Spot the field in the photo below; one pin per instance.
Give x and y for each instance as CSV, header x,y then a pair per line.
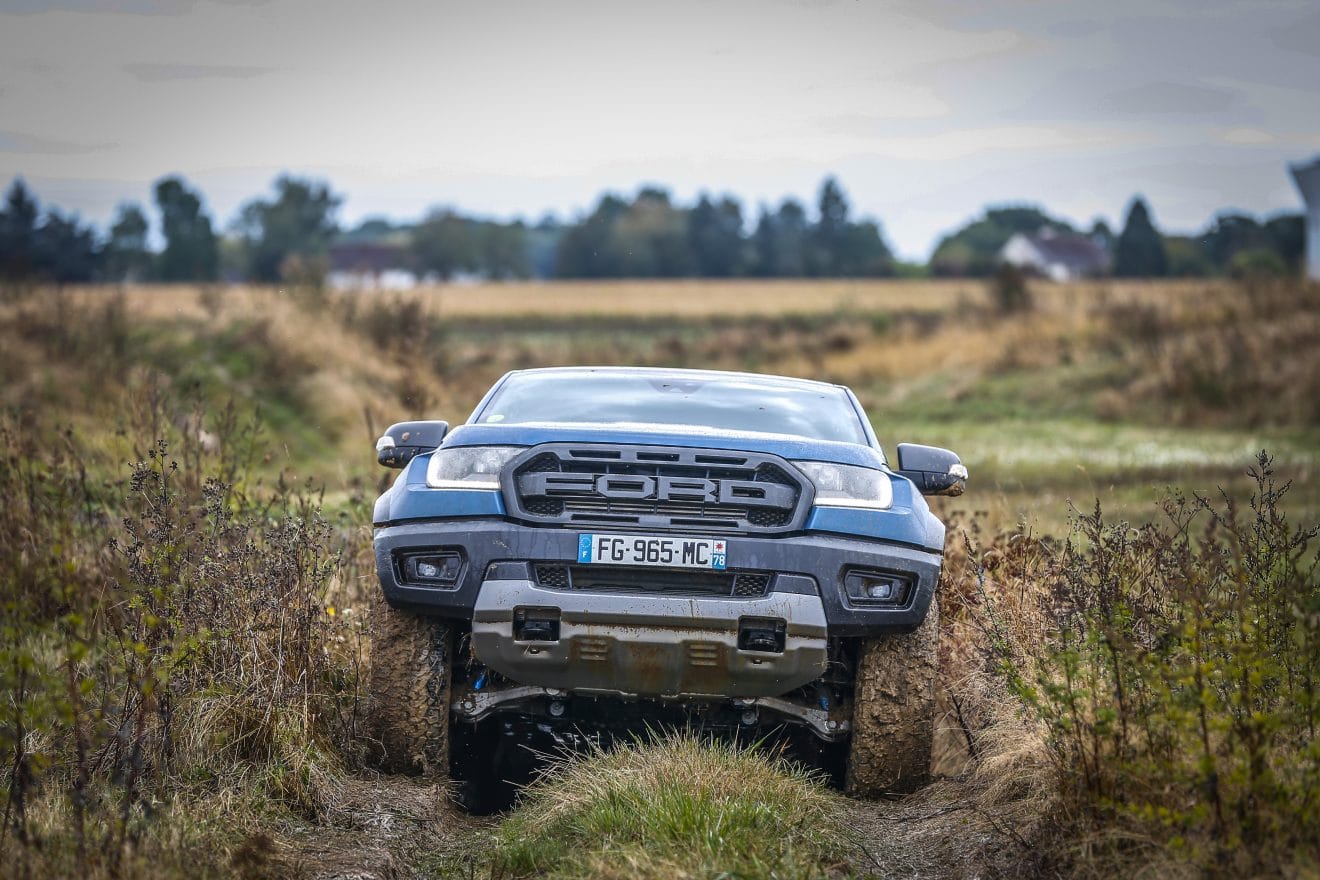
x,y
1114,391
1109,393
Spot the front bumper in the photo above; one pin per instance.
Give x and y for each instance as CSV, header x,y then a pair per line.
x,y
806,564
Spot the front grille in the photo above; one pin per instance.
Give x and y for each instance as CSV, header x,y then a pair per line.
x,y
657,488
618,579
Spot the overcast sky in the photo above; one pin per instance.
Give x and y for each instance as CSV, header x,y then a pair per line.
x,y
926,111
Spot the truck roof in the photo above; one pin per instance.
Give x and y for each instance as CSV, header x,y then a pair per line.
x,y
680,373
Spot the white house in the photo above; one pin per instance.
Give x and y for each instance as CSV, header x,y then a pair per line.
x,y
1059,256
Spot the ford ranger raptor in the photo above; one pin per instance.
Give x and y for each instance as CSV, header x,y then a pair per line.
x,y
599,552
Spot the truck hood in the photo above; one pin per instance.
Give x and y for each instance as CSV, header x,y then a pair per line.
x,y
787,446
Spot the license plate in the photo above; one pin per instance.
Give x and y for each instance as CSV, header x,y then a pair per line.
x,y
649,550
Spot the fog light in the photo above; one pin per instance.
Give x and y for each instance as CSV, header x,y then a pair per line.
x,y
441,569
876,587
879,590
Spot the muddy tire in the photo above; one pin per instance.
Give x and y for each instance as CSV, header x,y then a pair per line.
x,y
409,690
893,724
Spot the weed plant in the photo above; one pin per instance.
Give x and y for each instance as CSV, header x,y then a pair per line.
x,y
170,674
1173,671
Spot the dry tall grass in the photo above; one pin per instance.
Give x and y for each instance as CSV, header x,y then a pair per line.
x,y
1145,700
172,676
254,725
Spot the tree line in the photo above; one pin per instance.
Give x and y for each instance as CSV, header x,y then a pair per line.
x,y
293,235
1233,244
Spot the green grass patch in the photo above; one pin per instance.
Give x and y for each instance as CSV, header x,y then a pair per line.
x,y
1030,469
673,808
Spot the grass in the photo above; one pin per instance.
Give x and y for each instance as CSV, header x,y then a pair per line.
x,y
1081,394
171,677
675,808
1100,391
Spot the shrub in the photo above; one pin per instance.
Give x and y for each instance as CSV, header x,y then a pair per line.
x,y
164,643
1257,263
1009,290
1173,669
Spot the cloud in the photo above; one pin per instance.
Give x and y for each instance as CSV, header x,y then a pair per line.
x,y
17,142
1247,136
153,73
113,7
1302,36
1169,97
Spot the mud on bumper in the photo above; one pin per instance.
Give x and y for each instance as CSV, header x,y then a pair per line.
x,y
682,646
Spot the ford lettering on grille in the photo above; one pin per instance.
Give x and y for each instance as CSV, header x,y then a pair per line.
x,y
658,487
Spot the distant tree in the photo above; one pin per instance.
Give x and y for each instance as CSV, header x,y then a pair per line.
x,y
974,249
503,250
586,250
444,244
232,260
646,238
296,227
650,240
370,229
715,236
127,256
764,245
654,237
780,241
1102,235
829,237
1140,249
1187,258
190,253
1228,234
863,253
1257,263
1286,234
65,250
57,247
18,232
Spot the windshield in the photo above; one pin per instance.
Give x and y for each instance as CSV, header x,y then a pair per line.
x,y
739,403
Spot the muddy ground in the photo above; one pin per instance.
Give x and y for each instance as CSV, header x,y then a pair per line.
x,y
396,828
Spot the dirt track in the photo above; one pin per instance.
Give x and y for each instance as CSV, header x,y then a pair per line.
x,y
393,827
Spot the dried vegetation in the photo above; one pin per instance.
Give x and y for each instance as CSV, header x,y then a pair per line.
x,y
180,678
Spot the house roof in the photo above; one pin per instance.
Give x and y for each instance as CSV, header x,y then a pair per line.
x,y
1079,253
359,256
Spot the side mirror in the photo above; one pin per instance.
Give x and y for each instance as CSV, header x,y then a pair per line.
x,y
402,442
935,471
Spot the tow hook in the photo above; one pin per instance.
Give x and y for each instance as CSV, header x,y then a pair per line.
x,y
763,634
536,624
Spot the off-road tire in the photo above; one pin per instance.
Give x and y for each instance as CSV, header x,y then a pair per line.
x,y
409,690
893,723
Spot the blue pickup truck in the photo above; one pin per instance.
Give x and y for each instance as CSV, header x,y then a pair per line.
x,y
602,551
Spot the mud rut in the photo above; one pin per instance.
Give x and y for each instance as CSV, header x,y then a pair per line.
x,y
387,827
398,827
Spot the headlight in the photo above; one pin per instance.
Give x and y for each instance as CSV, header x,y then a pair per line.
x,y
843,485
468,467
